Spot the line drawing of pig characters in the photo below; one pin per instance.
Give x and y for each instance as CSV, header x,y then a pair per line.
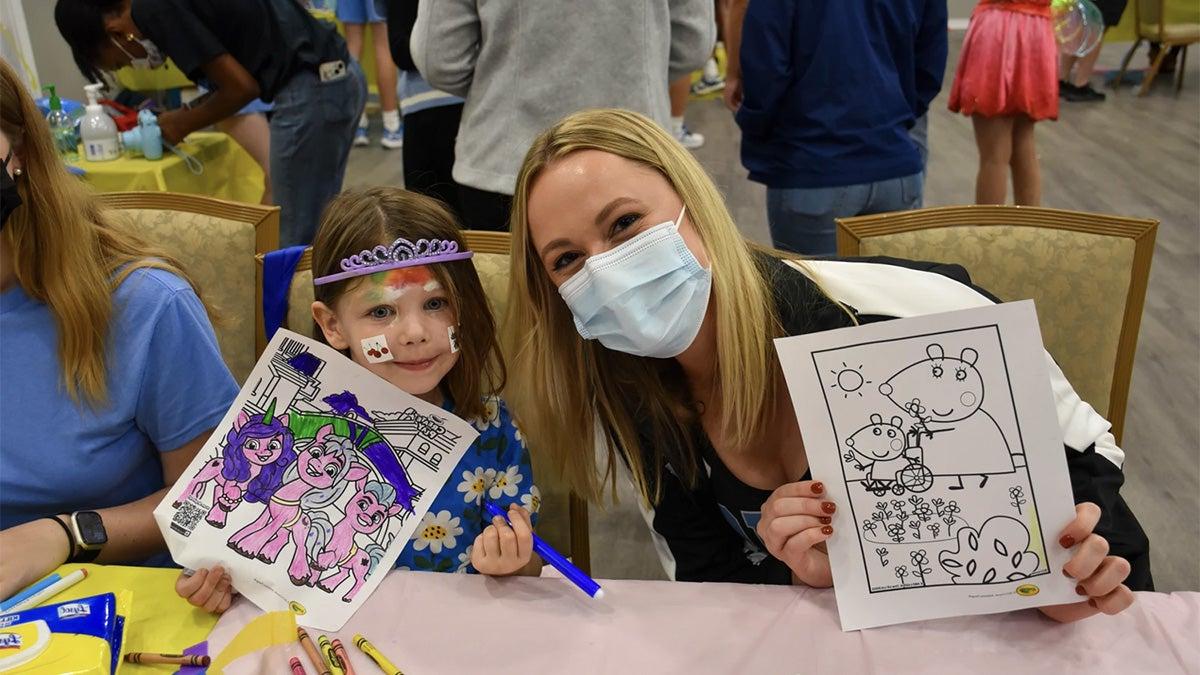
x,y
945,395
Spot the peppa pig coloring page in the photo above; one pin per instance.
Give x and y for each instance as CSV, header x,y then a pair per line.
x,y
938,440
313,483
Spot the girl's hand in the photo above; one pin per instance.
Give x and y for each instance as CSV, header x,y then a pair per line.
x,y
30,551
503,550
210,589
1099,574
795,520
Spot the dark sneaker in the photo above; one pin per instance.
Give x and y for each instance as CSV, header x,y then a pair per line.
x,y
1084,94
1065,88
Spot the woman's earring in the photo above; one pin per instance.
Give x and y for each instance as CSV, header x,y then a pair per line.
x,y
130,37
17,172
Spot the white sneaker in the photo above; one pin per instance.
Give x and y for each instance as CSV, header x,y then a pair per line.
x,y
689,139
361,138
392,139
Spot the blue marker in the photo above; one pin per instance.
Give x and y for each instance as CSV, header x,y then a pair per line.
x,y
574,574
29,592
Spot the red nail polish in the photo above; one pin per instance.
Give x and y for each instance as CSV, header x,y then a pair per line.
x,y
1079,590
825,520
827,530
818,487
828,507
1067,541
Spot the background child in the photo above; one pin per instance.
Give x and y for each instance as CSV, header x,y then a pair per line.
x,y
442,336
1006,81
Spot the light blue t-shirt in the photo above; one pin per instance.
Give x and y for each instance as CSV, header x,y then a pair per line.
x,y
167,384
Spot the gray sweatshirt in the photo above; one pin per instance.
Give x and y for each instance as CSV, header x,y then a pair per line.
x,y
522,65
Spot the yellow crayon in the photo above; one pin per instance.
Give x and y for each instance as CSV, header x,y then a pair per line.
x,y
335,663
375,655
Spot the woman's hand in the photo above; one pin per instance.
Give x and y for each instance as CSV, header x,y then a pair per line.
x,y
1100,575
503,550
29,552
795,520
210,589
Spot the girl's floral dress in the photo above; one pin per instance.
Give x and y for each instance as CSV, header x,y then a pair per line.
x,y
496,467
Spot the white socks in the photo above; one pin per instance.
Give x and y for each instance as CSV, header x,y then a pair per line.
x,y
677,126
391,120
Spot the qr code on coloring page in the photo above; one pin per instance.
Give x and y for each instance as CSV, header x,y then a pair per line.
x,y
188,516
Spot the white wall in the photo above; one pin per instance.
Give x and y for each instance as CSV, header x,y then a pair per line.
x,y
50,51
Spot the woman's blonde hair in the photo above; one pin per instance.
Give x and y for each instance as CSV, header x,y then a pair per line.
x,y
562,385
66,249
360,220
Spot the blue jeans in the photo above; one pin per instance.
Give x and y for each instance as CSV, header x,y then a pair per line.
x,y
311,132
801,219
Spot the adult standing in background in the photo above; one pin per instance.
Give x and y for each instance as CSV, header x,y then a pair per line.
x,y
431,117
246,49
522,66
827,95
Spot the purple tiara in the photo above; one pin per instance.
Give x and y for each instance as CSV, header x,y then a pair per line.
x,y
402,253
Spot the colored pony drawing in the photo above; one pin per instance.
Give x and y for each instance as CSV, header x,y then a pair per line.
x,y
250,467
333,547
317,478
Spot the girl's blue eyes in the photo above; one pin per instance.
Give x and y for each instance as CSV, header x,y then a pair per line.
x,y
386,311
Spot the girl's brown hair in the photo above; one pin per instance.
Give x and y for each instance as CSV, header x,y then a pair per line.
x,y
360,220
67,248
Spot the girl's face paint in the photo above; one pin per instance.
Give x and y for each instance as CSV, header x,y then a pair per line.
x,y
376,349
407,312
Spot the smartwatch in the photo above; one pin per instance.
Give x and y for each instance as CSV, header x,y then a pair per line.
x,y
87,529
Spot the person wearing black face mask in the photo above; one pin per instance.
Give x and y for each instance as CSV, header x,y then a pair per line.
x,y
93,423
10,199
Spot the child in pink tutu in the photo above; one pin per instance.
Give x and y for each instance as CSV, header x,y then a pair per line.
x,y
1007,80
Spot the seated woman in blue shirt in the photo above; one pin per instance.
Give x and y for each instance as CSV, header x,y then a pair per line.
x,y
112,377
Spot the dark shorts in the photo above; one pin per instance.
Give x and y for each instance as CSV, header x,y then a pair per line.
x,y
1111,11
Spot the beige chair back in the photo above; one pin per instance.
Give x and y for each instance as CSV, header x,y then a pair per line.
x,y
216,241
564,520
1087,273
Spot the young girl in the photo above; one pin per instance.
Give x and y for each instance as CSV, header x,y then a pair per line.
x,y
1006,81
435,321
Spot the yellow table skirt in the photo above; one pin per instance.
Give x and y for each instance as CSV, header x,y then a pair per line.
x,y
158,620
229,171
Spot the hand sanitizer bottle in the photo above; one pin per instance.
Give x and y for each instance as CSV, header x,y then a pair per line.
x,y
62,129
97,130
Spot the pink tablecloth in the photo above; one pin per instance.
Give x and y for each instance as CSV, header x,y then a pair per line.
x,y
452,623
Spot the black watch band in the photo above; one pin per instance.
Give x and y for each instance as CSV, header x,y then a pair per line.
x,y
87,536
70,537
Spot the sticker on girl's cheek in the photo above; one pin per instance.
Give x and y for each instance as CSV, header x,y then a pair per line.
x,y
376,349
453,339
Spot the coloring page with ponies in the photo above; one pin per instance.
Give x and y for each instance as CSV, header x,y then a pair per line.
x,y
313,482
938,438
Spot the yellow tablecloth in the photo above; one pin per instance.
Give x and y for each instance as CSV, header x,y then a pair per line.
x,y
158,620
229,171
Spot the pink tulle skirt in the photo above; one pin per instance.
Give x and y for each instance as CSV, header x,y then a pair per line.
x,y
1008,65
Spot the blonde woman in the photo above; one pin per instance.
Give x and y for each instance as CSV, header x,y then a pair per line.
x,y
638,313
112,378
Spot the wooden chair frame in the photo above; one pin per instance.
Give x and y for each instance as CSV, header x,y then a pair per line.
x,y
1165,44
480,242
265,220
852,231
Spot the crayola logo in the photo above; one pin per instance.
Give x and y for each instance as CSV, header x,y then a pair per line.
x,y
298,608
1027,590
10,641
